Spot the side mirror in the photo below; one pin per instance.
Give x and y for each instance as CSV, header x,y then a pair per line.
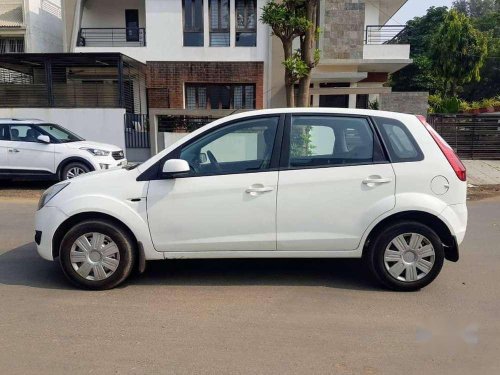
x,y
43,138
174,167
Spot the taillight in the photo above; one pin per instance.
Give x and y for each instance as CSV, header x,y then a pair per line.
x,y
452,158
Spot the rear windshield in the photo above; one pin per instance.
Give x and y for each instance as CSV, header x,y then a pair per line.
x,y
400,144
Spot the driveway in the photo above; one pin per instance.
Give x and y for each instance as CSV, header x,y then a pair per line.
x,y
249,316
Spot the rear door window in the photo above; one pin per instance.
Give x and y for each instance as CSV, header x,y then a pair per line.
x,y
400,144
329,141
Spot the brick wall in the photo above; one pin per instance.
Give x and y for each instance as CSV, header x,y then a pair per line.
x,y
406,102
165,79
343,31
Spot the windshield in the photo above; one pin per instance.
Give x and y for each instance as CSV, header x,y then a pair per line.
x,y
59,133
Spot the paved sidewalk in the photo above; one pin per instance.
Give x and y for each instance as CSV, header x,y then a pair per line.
x,y
483,172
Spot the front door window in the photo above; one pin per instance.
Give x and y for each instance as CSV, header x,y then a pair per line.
x,y
242,147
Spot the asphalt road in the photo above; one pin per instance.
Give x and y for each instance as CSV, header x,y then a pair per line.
x,y
249,316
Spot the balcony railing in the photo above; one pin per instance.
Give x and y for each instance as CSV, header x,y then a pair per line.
x,y
385,34
112,37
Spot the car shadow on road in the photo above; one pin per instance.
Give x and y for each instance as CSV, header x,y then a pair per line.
x,y
23,266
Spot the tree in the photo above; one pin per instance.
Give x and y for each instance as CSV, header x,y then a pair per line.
x,y
291,19
419,76
476,8
458,51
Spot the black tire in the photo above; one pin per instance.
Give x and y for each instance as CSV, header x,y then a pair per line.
x,y
123,241
73,165
374,256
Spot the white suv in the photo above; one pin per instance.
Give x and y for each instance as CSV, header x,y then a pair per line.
x,y
281,183
37,149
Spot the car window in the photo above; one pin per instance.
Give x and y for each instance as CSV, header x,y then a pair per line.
x,y
59,133
237,148
24,133
400,143
327,140
4,132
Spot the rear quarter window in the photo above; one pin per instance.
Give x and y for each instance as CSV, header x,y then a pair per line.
x,y
398,140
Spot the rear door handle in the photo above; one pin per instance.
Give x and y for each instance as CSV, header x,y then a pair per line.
x,y
258,189
13,150
373,181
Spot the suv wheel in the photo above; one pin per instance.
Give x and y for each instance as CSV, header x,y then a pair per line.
x,y
96,255
73,170
406,256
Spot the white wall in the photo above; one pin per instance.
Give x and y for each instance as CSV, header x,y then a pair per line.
x,y
105,13
44,26
386,51
94,124
164,34
171,138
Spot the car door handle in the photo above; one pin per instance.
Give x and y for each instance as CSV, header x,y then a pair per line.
x,y
258,189
13,150
373,181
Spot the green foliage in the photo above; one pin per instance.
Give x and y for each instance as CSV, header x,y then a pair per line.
x,y
296,66
419,76
458,51
301,141
422,76
374,104
287,18
437,104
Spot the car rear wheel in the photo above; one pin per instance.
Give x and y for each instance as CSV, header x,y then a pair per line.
x,y
73,170
97,255
406,256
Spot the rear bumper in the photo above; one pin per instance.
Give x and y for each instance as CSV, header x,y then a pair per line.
x,y
455,217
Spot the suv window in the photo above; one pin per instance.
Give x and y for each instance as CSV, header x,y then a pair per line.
x,y
4,133
24,133
401,145
241,147
327,140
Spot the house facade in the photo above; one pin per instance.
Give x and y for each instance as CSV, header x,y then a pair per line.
x,y
163,68
34,26
358,52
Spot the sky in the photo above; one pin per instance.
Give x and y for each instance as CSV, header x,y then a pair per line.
x,y
414,8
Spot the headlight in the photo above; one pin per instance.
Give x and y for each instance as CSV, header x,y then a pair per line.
x,y
96,151
50,193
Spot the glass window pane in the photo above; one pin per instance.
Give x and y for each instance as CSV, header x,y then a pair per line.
x,y
400,143
238,97
323,140
249,97
241,147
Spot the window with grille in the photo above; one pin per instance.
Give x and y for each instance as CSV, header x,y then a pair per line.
x,y
193,23
11,45
219,23
246,23
217,96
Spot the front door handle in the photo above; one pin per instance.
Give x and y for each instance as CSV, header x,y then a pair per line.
x,y
258,189
13,150
370,181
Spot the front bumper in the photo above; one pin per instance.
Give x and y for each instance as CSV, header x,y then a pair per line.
x,y
109,163
47,220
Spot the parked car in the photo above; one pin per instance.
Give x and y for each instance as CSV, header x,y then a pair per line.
x,y
37,149
281,183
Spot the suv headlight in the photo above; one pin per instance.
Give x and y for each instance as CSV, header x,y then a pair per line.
x,y
50,193
96,151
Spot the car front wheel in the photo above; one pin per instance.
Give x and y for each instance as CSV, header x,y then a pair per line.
x,y
406,256
73,170
97,254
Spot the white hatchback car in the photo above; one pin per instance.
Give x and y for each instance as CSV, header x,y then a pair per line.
x,y
281,183
37,149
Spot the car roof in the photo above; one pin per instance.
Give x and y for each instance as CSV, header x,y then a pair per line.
x,y
21,121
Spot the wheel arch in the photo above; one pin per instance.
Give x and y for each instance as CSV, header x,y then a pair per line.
x,y
72,159
77,218
426,218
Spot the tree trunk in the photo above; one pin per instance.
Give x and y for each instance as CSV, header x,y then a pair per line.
x,y
289,82
308,47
